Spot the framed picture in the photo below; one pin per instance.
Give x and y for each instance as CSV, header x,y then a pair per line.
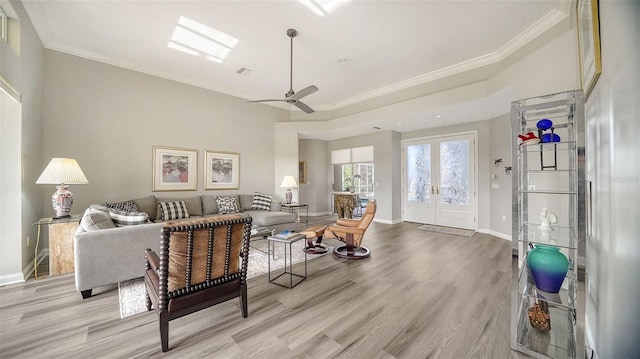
x,y
221,170
589,44
174,169
302,172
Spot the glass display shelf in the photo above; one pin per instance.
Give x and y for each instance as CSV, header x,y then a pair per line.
x,y
548,146
558,342
548,178
566,297
562,236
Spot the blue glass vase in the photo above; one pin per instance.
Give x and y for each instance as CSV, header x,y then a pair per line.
x,y
548,266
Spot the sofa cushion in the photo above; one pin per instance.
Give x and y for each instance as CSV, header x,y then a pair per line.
x,y
95,219
261,201
147,205
245,201
209,205
173,210
121,218
269,218
126,206
227,205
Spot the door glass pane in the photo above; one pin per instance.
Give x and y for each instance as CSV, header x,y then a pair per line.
x,y
454,172
418,173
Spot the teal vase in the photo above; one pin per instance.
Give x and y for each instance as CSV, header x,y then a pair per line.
x,y
548,266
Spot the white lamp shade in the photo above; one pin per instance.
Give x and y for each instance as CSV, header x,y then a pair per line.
x,y
289,182
62,171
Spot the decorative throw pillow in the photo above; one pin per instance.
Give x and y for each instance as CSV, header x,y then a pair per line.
x,y
261,201
94,219
227,205
173,210
122,218
126,206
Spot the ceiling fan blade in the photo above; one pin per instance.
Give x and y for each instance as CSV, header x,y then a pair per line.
x,y
303,107
304,92
268,100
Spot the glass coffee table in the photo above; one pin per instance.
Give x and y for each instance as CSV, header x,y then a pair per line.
x,y
258,233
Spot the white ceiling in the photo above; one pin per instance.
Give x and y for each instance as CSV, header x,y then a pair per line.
x,y
389,45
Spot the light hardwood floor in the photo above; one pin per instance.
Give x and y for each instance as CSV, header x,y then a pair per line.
x,y
419,295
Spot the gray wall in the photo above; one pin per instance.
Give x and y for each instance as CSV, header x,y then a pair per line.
x,y
109,118
386,155
500,198
613,246
314,192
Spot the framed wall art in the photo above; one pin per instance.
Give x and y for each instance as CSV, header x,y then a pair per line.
x,y
302,172
589,44
221,170
175,169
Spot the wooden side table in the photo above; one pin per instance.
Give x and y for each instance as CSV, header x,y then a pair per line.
x,y
61,232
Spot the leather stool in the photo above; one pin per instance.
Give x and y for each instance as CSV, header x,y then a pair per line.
x,y
314,233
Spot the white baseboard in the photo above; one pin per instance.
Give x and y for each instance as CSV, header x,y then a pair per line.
x,y
26,271
386,221
495,234
12,278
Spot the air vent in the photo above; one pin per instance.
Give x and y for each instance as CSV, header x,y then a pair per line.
x,y
243,71
376,128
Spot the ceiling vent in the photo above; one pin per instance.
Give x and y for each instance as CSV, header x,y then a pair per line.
x,y
243,71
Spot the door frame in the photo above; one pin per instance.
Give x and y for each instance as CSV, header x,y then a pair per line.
x,y
474,134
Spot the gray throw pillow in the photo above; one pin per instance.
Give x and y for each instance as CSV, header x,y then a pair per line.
x,y
94,220
147,205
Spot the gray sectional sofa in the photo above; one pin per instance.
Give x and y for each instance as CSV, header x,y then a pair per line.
x,y
106,254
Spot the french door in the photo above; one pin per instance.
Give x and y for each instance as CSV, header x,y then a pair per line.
x,y
438,178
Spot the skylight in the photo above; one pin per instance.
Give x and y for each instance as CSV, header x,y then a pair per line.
x,y
323,7
197,39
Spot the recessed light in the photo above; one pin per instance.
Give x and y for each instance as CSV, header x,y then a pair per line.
x,y
437,116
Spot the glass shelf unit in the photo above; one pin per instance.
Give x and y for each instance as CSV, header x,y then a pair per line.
x,y
548,176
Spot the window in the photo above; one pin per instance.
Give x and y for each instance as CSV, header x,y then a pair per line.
x,y
357,176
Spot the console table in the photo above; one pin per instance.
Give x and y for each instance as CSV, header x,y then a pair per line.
x,y
61,232
344,203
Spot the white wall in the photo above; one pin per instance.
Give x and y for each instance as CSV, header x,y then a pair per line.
x,y
21,149
613,246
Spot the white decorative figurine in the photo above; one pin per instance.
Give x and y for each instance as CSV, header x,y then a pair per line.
x,y
546,220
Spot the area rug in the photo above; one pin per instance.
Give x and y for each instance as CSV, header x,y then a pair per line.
x,y
447,230
132,292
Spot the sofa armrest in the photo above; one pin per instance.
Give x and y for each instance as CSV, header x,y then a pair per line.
x,y
276,206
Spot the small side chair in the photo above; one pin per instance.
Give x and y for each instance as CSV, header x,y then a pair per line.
x,y
199,266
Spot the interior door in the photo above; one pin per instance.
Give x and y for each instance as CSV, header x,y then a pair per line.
x,y
439,181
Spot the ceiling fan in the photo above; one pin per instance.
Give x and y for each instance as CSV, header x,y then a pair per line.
x,y
291,96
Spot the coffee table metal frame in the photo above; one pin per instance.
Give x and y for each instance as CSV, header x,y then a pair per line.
x,y
287,243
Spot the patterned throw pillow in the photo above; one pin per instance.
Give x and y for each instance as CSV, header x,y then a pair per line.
x,y
126,206
261,201
173,210
122,218
227,205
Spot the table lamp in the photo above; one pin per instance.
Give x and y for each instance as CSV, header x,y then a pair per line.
x,y
62,171
288,182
